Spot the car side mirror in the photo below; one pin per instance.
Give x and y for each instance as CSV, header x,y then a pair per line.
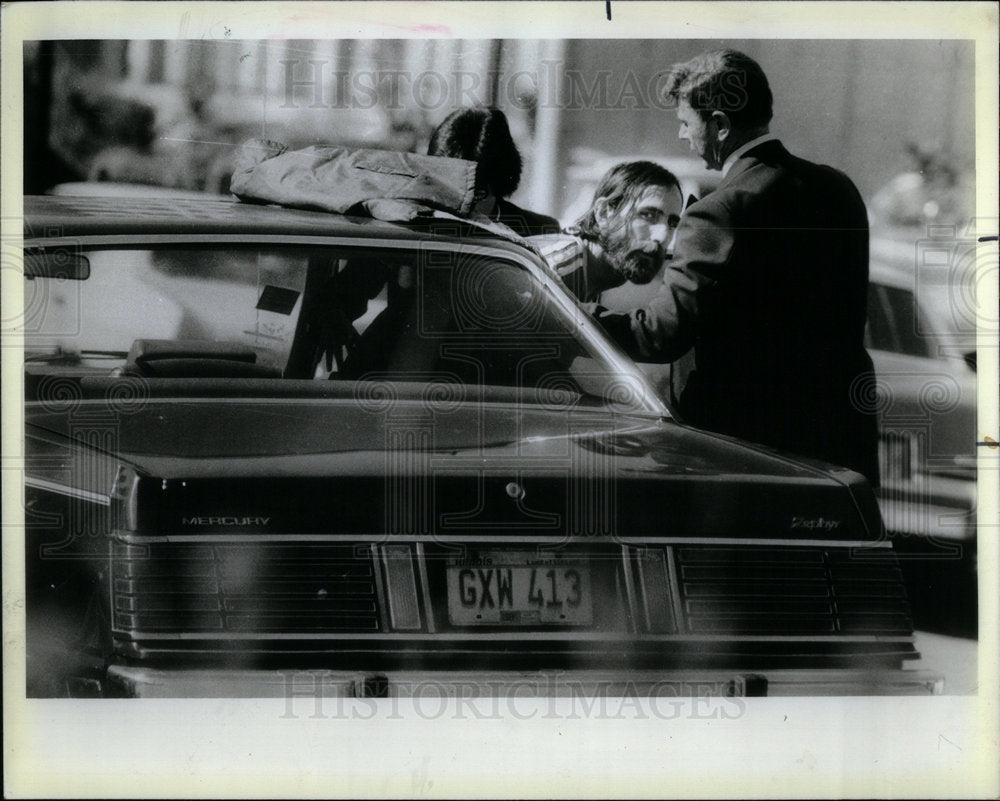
x,y
60,263
970,359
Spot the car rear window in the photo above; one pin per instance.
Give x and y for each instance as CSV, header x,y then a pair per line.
x,y
322,314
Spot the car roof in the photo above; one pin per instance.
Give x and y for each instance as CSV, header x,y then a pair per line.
x,y
895,263
124,189
882,273
102,216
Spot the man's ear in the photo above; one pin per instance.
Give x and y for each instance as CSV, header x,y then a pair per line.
x,y
722,124
602,211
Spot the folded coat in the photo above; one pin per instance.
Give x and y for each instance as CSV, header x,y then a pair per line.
x,y
340,179
384,184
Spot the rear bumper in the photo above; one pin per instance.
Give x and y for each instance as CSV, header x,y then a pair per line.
x,y
302,687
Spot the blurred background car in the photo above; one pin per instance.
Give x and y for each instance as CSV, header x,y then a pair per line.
x,y
926,403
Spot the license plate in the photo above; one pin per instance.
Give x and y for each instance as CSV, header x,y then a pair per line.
x,y
518,589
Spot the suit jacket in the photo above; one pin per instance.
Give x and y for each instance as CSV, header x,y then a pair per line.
x,y
769,285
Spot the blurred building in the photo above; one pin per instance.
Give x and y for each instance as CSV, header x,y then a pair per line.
x,y
171,112
204,97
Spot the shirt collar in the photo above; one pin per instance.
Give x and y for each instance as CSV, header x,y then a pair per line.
x,y
743,149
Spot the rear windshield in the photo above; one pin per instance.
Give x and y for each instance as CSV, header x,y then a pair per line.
x,y
212,311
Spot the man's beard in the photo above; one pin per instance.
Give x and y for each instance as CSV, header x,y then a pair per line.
x,y
636,263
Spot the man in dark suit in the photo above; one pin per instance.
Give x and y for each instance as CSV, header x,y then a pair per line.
x,y
768,283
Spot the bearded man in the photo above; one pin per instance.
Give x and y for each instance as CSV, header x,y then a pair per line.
x,y
624,234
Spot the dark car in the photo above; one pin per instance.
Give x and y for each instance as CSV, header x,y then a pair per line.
x,y
269,448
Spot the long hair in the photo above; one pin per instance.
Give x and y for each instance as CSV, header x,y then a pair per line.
x,y
481,135
622,186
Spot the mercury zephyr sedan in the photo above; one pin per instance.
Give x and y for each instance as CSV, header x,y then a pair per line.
x,y
269,450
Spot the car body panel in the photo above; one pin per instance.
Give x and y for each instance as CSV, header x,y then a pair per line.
x,y
702,483
188,534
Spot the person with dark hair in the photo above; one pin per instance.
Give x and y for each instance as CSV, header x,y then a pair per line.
x,y
483,135
768,282
622,236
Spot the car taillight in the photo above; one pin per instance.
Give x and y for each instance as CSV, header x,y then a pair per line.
x,y
401,587
125,493
243,588
654,585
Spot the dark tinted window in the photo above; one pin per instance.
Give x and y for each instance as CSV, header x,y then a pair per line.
x,y
466,318
893,322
